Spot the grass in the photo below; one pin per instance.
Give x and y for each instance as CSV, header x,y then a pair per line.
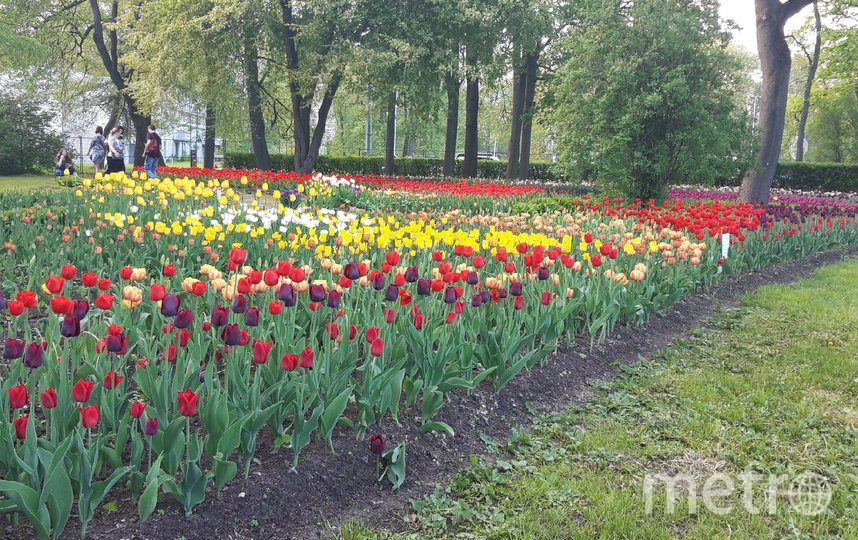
x,y
769,386
29,182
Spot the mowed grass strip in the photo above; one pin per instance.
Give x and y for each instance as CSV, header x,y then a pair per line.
x,y
25,183
764,398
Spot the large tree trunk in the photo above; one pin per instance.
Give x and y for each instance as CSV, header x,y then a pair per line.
x,y
390,137
452,84
141,131
472,108
808,85
209,143
518,88
775,61
527,115
254,104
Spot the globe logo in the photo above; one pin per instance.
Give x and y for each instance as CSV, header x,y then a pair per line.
x,y
809,494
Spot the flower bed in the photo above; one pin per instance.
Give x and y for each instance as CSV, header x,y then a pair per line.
x,y
155,328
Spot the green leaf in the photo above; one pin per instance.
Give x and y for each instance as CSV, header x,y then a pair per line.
x,y
437,426
332,412
27,501
149,499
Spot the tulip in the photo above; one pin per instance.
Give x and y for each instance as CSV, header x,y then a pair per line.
x,y
251,318
81,308
449,295
157,292
476,300
378,281
389,315
89,416
150,429
16,308
596,261
451,317
34,355
237,256
392,293
515,288
220,316
286,294
104,284
18,396
112,379
187,400
81,390
13,348
371,334
244,286
137,409
169,270
125,272
411,274
104,301
391,258
89,279
55,284
399,280
275,307
353,330
317,293
418,321
307,358
70,327
60,304
333,330
169,354
424,287
184,318
261,349
231,334
542,273
588,237
351,271
21,427
49,398
519,302
170,305
289,361
68,271
377,443
377,347
545,298
334,298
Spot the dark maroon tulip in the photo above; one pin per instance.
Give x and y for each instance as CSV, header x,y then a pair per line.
x,y
449,295
220,316
411,274
231,335
117,343
184,318
3,303
377,443
392,293
543,273
378,281
286,294
13,348
34,355
515,288
170,305
352,271
317,293
239,303
486,296
150,428
81,308
334,298
251,318
476,300
424,286
70,326
502,293
473,278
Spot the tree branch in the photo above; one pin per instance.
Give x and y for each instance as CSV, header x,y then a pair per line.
x,y
791,7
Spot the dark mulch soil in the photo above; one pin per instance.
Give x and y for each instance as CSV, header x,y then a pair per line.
x,y
279,503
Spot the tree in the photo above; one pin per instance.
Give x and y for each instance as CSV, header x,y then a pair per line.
x,y
775,61
650,94
28,144
812,66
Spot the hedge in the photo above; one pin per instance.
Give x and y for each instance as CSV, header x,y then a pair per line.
x,y
817,176
416,167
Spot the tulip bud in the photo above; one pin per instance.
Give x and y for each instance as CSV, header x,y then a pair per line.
x,y
150,429
70,327
239,304
251,317
184,318
220,316
377,443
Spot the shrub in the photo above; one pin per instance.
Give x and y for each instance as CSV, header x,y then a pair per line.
x,y
27,144
817,176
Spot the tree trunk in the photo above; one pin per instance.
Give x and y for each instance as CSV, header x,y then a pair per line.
x,y
390,137
209,143
141,131
808,85
518,87
452,84
527,115
775,61
254,104
472,107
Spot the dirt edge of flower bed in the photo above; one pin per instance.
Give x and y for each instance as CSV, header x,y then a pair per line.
x,y
328,488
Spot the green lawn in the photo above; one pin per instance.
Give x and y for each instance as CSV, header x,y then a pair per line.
x,y
772,385
30,182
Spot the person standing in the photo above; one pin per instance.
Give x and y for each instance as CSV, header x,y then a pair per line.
x,y
97,150
116,150
152,152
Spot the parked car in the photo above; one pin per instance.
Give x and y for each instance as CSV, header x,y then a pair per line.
x,y
481,155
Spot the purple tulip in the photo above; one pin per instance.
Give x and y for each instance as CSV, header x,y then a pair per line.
x,y
449,295
334,298
13,348
352,271
317,293
515,288
239,304
150,428
411,274
473,278
392,293
231,334
251,318
424,287
184,318
170,305
70,326
220,316
34,355
81,308
286,294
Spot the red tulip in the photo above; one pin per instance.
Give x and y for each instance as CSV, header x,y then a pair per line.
x,y
377,443
271,277
21,427
104,301
275,307
81,390
371,334
18,396
199,288
289,361
89,279
125,272
55,284
377,347
307,358
588,237
68,271
15,308
519,302
333,330
237,256
261,350
60,304
596,261
89,416
112,379
157,292
104,284
49,398
545,298
187,400
28,298
169,271
137,409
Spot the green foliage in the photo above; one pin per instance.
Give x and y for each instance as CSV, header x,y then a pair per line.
x,y
416,167
817,176
649,95
28,144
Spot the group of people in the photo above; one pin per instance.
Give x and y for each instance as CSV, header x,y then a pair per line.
x,y
108,153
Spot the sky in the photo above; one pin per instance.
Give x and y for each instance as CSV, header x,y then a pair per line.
x,y
742,13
